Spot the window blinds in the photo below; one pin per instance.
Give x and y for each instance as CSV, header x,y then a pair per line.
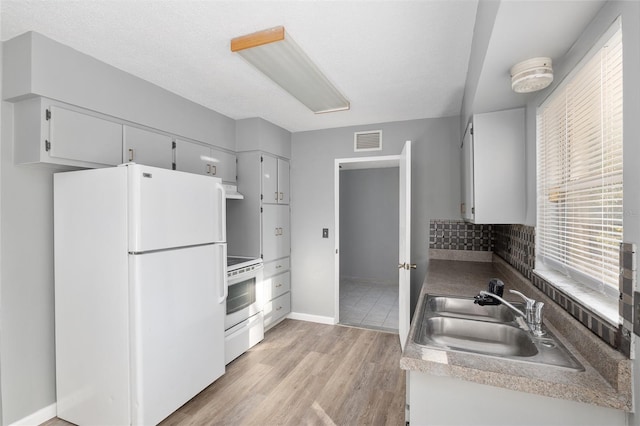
x,y
579,171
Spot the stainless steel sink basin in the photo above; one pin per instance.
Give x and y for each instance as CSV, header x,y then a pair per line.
x,y
457,324
476,336
461,307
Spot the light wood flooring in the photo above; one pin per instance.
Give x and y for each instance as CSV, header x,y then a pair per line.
x,y
304,373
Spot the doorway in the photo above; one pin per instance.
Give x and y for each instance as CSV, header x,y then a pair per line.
x,y
368,247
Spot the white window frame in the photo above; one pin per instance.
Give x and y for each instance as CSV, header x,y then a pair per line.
x,y
590,292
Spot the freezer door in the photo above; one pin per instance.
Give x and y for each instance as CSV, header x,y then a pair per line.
x,y
174,209
178,309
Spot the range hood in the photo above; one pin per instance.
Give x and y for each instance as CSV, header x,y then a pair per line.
x,y
232,192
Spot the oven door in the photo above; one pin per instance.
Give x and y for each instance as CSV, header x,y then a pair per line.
x,y
244,298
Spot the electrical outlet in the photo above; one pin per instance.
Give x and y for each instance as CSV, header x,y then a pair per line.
x,y
325,232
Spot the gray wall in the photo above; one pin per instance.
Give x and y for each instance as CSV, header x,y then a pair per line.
x,y
258,134
435,194
369,224
37,65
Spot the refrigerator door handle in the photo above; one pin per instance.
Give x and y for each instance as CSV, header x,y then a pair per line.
x,y
224,291
223,210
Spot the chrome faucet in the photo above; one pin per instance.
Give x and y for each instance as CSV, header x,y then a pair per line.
x,y
532,314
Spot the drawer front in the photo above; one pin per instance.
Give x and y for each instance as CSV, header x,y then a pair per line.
x,y
277,285
277,309
276,267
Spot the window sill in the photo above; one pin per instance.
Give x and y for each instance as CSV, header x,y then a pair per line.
x,y
604,306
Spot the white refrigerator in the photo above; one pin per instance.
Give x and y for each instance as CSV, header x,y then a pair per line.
x,y
140,292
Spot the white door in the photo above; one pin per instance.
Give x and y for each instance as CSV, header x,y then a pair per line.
x,y
193,158
174,209
404,253
178,311
275,232
270,179
77,136
148,148
283,181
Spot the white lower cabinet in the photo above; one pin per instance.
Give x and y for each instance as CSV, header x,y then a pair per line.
x,y
276,309
435,400
277,291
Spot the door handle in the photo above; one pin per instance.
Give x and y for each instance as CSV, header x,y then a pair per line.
x,y
407,266
130,154
214,170
281,196
276,195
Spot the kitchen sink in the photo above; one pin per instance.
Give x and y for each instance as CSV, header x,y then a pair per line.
x,y
457,324
461,307
476,336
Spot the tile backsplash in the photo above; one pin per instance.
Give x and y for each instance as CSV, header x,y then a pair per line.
x,y
516,245
460,235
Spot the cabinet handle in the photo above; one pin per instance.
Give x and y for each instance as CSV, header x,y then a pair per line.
x,y
208,169
278,308
214,170
281,196
130,154
278,266
276,195
278,285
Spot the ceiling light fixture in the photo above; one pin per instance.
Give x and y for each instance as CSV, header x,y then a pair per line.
x,y
276,55
531,75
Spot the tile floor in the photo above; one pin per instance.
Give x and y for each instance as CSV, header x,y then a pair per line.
x,y
369,304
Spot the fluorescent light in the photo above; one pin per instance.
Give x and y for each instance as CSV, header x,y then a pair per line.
x,y
276,55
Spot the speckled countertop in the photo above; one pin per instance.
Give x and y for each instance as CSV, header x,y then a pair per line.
x,y
606,380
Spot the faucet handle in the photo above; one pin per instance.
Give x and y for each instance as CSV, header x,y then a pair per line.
x,y
538,312
530,302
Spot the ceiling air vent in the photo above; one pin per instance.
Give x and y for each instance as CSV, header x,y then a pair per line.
x,y
367,141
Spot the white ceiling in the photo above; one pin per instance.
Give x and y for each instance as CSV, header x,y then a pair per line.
x,y
394,60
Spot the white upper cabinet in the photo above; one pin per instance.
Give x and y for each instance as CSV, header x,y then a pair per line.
x,y
493,168
52,132
202,159
146,147
275,180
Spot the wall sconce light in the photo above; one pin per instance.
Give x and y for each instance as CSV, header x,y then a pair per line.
x,y
276,55
531,75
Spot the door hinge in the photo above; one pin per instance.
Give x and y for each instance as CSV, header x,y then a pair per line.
x,y
260,209
473,210
173,144
47,145
47,114
173,166
261,158
261,197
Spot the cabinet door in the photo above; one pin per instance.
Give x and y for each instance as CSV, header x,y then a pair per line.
x,y
148,148
77,136
467,208
225,166
193,158
269,179
283,181
275,232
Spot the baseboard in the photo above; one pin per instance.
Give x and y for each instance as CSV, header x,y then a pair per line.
x,y
311,318
39,417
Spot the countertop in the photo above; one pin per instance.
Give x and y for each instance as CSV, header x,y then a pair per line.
x,y
605,382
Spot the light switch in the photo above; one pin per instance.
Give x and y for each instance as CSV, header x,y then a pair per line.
x,y
325,232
